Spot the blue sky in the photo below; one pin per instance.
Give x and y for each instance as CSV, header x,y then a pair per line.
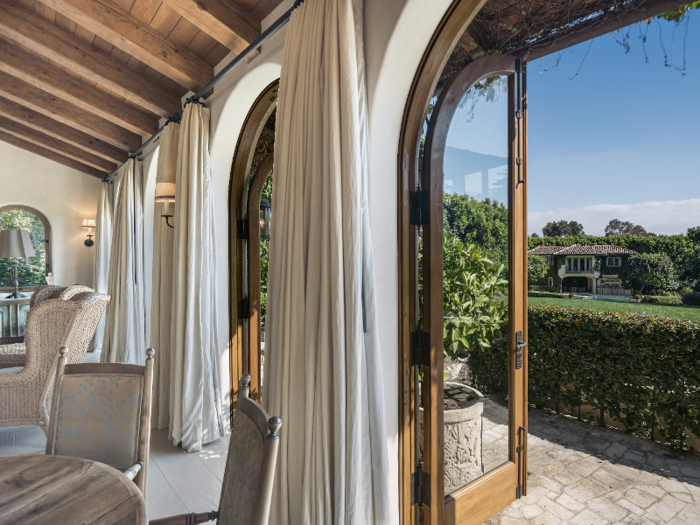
x,y
618,139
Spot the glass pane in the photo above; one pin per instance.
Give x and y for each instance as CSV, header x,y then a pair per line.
x,y
476,285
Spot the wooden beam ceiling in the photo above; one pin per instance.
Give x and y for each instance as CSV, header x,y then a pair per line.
x,y
46,76
221,19
53,144
47,104
60,131
142,41
83,82
39,35
43,152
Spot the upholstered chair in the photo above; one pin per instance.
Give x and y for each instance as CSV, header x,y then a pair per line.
x,y
26,391
12,349
102,412
246,493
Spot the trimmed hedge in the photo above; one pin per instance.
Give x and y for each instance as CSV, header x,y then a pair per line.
x,y
692,298
662,299
637,369
545,294
542,288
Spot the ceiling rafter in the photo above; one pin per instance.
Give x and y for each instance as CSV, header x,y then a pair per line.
x,y
44,38
125,31
43,152
44,102
222,20
46,76
60,131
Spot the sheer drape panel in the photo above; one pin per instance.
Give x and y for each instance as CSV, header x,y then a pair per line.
x,y
103,247
324,369
195,396
125,333
161,303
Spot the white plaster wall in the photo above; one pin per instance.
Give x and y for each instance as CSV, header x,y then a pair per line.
x,y
65,196
397,33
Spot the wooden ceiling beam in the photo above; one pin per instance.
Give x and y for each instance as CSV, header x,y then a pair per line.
x,y
220,19
142,41
48,154
53,144
19,24
44,102
46,76
60,131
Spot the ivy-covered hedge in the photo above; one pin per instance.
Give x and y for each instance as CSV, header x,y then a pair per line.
x,y
692,298
641,370
542,288
662,299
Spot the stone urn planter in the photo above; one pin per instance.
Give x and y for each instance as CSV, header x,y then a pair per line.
x,y
464,407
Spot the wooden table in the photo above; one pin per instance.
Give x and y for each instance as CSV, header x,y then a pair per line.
x,y
58,490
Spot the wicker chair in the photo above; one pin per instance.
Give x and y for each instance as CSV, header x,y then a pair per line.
x,y
26,393
102,412
12,350
246,493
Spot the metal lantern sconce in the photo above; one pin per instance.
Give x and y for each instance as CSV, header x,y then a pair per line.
x,y
265,215
165,193
89,224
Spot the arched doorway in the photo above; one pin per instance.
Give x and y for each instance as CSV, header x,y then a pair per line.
x,y
449,474
251,167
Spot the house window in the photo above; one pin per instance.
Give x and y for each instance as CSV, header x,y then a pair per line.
x,y
550,281
33,270
550,260
614,261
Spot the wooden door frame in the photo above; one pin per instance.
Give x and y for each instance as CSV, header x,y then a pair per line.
x,y
261,110
452,26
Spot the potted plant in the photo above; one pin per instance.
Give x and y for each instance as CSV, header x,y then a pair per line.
x,y
571,296
637,297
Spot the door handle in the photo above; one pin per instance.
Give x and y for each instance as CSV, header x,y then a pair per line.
x,y
519,345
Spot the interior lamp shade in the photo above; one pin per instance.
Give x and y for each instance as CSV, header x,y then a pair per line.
x,y
165,192
15,243
88,224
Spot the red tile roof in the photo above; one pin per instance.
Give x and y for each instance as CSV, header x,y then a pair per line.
x,y
599,249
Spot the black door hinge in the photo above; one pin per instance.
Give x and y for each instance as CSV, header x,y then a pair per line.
x,y
420,487
419,207
420,348
244,309
242,229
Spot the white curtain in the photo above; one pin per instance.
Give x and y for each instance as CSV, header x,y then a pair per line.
x,y
161,311
195,395
125,331
103,246
324,363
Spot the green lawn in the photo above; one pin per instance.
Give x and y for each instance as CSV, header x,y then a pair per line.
x,y
692,313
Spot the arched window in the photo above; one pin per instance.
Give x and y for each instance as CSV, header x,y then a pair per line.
x,y
32,271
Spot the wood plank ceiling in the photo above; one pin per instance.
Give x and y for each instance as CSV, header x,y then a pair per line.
x,y
82,82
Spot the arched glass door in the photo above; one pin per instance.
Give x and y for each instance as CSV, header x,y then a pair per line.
x,y
470,350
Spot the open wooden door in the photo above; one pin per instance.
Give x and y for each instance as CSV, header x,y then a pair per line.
x,y
472,287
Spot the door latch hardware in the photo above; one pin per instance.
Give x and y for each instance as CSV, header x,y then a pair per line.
x,y
244,309
242,229
519,345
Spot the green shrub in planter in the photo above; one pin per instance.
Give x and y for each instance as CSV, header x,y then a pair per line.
x,y
545,294
663,299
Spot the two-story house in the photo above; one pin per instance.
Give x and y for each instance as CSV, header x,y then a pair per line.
x,y
585,269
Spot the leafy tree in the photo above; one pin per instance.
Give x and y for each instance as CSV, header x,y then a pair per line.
x,y
691,270
480,222
649,270
694,235
30,272
618,227
264,256
562,229
534,234
537,268
474,316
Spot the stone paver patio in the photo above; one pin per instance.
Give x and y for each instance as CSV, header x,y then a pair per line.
x,y
581,474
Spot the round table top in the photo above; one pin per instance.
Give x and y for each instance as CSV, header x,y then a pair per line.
x,y
60,490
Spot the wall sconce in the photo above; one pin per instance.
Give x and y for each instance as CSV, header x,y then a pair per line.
x,y
89,224
265,216
165,193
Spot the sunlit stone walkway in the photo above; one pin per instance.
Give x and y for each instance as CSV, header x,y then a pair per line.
x,y
584,475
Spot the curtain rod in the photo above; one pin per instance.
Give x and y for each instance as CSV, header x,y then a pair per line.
x,y
276,26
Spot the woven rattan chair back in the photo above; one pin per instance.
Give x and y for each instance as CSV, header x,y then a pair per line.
x,y
102,412
44,292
